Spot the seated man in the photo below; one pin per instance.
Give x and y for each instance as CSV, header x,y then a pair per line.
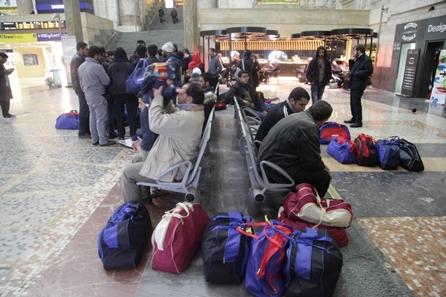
x,y
178,140
297,100
293,144
244,92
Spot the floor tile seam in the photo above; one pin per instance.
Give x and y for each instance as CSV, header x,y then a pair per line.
x,y
24,272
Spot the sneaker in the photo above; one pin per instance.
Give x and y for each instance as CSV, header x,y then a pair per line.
x,y
108,143
351,121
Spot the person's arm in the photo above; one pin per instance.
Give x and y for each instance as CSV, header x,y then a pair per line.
x,y
103,76
75,63
365,70
310,74
309,150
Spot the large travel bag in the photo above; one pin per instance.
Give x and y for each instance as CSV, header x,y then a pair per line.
x,y
388,153
366,150
343,150
177,237
225,251
410,158
330,130
69,120
122,241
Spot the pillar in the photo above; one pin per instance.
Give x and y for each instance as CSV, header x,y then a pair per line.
x,y
190,21
24,7
73,19
129,14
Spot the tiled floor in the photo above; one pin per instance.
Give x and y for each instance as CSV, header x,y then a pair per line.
x,y
53,185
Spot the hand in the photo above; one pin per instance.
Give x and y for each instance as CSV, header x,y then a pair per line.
x,y
136,145
141,105
157,93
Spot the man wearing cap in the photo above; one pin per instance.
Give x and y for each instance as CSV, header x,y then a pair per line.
x,y
297,101
173,63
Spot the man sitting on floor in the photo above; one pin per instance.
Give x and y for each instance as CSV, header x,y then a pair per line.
x,y
178,140
297,101
293,144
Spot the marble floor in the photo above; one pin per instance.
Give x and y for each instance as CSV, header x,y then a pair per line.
x,y
57,191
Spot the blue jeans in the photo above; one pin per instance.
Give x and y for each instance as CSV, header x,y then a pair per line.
x,y
316,92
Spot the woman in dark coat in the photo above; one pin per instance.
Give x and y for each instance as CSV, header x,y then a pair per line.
x,y
5,89
118,72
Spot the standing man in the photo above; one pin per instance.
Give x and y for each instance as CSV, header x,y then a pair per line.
x,y
5,88
360,70
293,144
297,101
84,113
319,74
93,80
215,67
174,15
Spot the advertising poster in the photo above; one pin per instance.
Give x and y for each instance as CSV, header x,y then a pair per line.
x,y
410,72
18,38
438,94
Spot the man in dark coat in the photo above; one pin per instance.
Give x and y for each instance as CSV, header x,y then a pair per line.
x,y
244,92
360,70
319,74
84,112
5,88
293,144
297,101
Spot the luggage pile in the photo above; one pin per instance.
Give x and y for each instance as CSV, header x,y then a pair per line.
x,y
296,254
364,150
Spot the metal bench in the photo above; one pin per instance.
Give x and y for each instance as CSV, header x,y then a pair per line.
x,y
189,183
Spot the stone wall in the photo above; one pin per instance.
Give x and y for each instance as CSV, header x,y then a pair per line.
x,y
92,25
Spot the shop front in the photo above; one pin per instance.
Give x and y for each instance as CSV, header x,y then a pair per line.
x,y
416,54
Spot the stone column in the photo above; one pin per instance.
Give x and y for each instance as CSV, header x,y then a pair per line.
x,y
73,19
207,4
129,14
24,7
190,21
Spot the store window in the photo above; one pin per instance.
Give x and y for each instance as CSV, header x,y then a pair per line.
x,y
30,60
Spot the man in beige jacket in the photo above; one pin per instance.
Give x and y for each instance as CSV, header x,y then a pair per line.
x,y
179,138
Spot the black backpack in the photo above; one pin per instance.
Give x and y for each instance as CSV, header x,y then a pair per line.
x,y
410,158
125,236
225,251
366,150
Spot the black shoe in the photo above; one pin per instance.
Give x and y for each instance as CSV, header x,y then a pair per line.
x,y
351,121
108,143
113,135
356,125
9,116
95,143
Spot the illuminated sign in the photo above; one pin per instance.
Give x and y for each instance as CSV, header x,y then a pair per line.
x,y
18,38
57,6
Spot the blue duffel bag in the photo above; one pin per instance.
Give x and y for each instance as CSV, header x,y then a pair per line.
x,y
125,236
136,79
69,120
344,151
388,152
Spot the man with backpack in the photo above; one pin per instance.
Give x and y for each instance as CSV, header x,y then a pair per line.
x,y
293,144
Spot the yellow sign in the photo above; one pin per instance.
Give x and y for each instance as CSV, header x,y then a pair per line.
x,y
18,38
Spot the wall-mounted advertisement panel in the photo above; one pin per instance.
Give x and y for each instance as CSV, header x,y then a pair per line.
x,y
57,6
8,6
438,94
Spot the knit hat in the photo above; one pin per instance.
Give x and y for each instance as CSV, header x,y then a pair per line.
x,y
168,47
196,70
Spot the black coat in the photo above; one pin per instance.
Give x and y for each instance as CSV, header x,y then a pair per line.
x,y
5,90
76,61
245,93
313,72
293,144
273,116
360,70
119,73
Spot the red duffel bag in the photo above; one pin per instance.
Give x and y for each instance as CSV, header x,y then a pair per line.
x,y
177,237
339,235
305,204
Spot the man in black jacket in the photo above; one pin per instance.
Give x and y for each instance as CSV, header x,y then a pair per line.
x,y
297,101
360,70
244,92
319,74
84,112
293,144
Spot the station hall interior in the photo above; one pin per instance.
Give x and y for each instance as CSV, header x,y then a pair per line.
x,y
60,186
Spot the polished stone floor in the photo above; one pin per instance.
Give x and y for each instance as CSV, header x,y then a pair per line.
x,y
57,191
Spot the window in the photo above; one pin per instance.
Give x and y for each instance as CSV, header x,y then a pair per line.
x,y
30,60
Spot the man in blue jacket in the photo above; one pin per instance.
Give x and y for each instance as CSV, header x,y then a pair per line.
x,y
93,80
360,70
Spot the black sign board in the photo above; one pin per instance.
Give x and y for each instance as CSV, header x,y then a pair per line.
x,y
410,72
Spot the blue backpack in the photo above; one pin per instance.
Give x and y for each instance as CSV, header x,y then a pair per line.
x,y
225,250
388,153
136,79
125,236
344,151
264,276
313,264
69,120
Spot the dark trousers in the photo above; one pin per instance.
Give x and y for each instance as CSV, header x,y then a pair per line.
x,y
5,103
131,103
316,92
355,105
318,179
110,116
84,114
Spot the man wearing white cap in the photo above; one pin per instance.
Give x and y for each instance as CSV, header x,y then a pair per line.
x,y
173,64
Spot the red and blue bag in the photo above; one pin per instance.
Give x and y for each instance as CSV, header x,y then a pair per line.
x,y
225,250
313,264
343,150
388,153
331,130
69,120
366,150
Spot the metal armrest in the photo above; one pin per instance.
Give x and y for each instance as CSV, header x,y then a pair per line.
x,y
279,170
253,120
252,113
188,165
